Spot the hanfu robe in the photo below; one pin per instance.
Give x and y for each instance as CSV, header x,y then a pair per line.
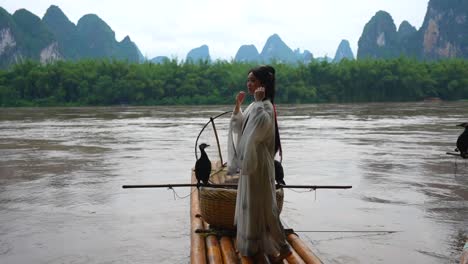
x,y
251,151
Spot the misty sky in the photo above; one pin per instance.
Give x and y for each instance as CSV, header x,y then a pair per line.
x,y
173,27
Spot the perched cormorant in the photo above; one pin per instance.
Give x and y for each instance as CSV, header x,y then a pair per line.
x,y
203,166
279,173
462,141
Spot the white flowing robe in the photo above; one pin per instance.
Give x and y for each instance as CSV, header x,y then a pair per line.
x,y
251,150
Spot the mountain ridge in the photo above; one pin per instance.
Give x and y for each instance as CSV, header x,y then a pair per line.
x,y
23,35
442,35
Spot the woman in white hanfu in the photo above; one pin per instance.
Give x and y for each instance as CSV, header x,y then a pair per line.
x,y
252,145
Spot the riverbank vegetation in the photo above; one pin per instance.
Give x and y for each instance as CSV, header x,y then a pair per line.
x,y
98,82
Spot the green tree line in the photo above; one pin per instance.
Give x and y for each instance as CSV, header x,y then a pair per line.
x,y
101,82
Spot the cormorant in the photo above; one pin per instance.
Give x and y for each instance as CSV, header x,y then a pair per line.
x,y
203,166
462,141
279,173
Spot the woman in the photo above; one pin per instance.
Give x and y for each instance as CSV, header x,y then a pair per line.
x,y
253,143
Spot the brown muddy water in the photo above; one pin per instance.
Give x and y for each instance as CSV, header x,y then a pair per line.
x,y
61,172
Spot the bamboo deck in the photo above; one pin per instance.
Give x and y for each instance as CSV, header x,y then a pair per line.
x,y
218,249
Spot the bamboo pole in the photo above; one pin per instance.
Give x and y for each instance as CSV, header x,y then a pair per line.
x,y
227,249
172,185
458,154
197,243
246,260
233,186
234,244
201,131
243,260
213,251
217,139
303,250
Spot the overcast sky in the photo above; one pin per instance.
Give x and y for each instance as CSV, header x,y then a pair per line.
x,y
173,27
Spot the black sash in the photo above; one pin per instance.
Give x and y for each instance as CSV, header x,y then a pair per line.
x,y
245,124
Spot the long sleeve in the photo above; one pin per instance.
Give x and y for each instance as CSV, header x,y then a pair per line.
x,y
258,132
247,130
262,114
235,130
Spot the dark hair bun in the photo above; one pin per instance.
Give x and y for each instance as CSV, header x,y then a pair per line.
x,y
270,69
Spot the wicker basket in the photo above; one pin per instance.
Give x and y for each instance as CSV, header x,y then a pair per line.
x,y
218,206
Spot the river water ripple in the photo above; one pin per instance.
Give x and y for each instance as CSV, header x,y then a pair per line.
x,y
61,172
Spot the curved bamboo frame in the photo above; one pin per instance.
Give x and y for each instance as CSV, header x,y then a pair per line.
x,y
216,135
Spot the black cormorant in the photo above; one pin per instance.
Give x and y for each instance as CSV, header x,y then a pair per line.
x,y
203,166
462,141
279,173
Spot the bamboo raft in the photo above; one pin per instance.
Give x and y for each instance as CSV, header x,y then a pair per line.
x,y
219,247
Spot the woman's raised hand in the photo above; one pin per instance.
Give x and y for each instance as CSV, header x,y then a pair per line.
x,y
259,93
240,98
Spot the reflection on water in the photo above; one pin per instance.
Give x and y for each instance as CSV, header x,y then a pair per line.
x,y
61,172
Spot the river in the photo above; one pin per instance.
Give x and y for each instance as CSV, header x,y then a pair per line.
x,y
61,172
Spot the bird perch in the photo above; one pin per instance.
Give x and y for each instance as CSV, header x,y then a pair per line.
x,y
234,186
455,154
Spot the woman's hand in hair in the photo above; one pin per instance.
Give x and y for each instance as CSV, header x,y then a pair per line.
x,y
259,94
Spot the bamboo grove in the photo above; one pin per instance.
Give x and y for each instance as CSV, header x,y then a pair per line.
x,y
102,82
